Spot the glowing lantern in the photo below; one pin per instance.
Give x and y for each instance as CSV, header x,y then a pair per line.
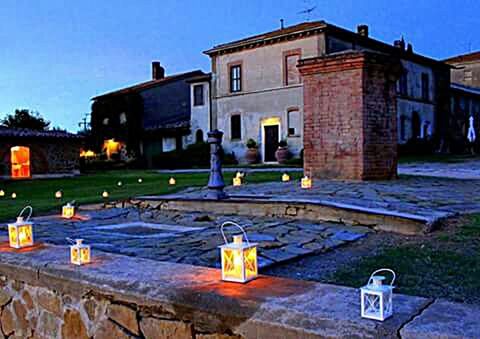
x,y
306,182
285,177
119,184
237,181
140,180
79,253
2,193
239,258
14,195
172,181
105,195
58,194
68,211
376,298
20,234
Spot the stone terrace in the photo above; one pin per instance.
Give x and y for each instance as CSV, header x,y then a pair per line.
x,y
192,238
416,195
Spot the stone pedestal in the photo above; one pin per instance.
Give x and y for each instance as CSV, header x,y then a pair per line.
x,y
215,181
350,129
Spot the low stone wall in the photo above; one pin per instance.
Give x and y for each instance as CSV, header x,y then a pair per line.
x,y
43,296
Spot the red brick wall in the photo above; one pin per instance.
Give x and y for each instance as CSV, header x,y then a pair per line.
x,y
349,117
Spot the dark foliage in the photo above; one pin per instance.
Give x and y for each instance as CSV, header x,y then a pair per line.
x,y
24,118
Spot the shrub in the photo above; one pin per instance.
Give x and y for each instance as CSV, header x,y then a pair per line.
x,y
251,143
282,143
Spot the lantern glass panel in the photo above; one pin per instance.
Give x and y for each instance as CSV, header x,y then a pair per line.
x,y
68,211
377,304
232,264
74,255
251,267
85,255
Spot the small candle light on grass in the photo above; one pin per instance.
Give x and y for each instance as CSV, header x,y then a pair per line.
x,y
20,233
2,193
140,180
14,195
239,258
58,194
376,297
105,194
79,252
285,177
306,182
119,184
172,181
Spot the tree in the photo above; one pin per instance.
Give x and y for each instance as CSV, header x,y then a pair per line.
x,y
24,118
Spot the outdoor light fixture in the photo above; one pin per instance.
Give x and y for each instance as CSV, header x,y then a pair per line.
x,y
68,211
285,177
105,194
14,195
306,182
79,253
58,194
2,193
20,234
237,179
376,297
140,180
172,181
239,258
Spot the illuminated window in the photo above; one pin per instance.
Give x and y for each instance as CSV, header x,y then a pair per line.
x,y
20,161
112,148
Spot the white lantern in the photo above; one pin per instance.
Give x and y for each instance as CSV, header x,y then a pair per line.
x,y
237,181
306,182
20,234
79,253
376,296
239,258
285,177
68,211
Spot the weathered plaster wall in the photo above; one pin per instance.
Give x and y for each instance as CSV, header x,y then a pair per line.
x,y
466,73
200,115
263,95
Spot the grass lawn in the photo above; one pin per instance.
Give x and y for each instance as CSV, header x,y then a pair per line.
x,y
40,194
446,264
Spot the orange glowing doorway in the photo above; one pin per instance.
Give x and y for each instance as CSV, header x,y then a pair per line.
x,y
20,160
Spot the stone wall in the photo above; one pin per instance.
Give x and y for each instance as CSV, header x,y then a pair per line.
x,y
46,156
43,296
350,127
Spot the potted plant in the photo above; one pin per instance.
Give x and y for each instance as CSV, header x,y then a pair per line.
x,y
252,151
282,154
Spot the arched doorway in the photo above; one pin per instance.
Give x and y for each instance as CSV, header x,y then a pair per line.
x,y
20,162
199,136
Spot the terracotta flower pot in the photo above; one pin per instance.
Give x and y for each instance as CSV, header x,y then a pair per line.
x,y
251,155
282,154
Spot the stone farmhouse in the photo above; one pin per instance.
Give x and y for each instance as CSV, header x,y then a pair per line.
x,y
26,154
146,119
257,90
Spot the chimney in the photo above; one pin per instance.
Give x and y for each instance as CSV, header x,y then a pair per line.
x,y
282,26
362,30
158,72
409,48
399,44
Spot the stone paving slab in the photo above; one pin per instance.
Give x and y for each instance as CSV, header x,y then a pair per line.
x,y
188,238
466,170
446,320
424,197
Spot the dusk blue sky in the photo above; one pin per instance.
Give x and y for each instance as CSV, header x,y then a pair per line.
x,y
56,54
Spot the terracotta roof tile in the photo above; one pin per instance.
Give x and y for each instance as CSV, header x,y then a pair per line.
x,y
475,56
28,133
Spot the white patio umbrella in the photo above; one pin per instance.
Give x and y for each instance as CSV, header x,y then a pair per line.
x,y
471,130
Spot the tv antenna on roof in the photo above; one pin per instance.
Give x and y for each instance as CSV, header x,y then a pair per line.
x,y
308,9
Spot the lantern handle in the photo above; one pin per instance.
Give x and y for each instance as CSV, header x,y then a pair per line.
x,y
70,240
29,214
383,270
227,223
